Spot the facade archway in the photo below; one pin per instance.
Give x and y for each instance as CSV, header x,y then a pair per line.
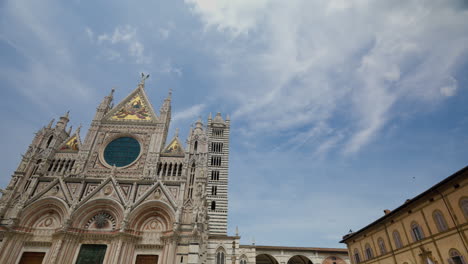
x,y
299,259
152,216
265,259
51,211
99,213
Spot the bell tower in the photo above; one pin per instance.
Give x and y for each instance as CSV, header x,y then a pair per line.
x,y
218,165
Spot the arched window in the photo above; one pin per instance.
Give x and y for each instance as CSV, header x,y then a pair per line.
x,y
369,253
416,232
220,257
243,259
195,146
49,141
357,258
464,206
440,221
213,205
383,249
397,239
455,257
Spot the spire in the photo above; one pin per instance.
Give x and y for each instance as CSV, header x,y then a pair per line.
x,y
51,123
105,105
199,123
70,130
166,107
177,132
63,121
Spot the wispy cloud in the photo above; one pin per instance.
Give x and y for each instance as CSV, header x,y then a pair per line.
x,y
310,58
189,113
126,35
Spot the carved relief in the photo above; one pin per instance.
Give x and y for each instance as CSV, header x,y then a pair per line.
x,y
101,220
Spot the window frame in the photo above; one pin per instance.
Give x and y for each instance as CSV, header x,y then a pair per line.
x,y
440,221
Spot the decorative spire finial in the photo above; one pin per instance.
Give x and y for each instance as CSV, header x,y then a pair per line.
x,y
51,123
143,79
67,114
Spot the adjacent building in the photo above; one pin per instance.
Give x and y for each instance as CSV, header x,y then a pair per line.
x,y
431,228
128,193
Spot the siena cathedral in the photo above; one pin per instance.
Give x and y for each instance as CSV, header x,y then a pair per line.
x,y
127,194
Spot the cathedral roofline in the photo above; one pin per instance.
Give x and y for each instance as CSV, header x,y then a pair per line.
x,y
344,250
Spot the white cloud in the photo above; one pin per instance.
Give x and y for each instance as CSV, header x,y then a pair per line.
x,y
307,58
191,112
126,35
449,88
238,16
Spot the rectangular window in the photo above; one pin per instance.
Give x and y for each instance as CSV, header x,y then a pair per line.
x,y
215,175
145,259
214,190
90,253
32,257
217,147
216,161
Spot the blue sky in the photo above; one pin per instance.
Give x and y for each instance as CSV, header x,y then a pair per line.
x,y
339,108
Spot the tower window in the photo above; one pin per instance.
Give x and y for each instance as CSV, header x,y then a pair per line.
x,y
195,146
217,147
218,132
214,190
213,205
215,175
216,161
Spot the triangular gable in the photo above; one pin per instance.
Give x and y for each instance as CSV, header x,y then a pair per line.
x,y
157,192
106,189
56,189
72,144
174,148
135,107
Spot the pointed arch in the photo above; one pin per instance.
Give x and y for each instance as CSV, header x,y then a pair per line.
x,y
220,255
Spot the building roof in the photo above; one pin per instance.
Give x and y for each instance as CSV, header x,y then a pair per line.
x,y
341,250
406,204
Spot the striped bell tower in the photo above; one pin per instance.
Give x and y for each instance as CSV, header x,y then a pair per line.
x,y
218,165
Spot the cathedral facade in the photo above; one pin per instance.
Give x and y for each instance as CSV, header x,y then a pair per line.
x,y
126,194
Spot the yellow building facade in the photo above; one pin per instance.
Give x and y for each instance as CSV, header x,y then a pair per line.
x,y
431,228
